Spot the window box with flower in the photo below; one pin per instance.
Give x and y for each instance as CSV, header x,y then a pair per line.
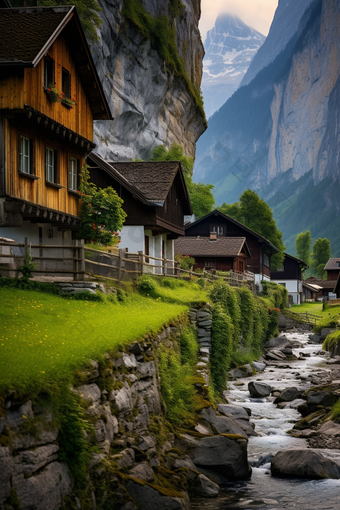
x,y
57,96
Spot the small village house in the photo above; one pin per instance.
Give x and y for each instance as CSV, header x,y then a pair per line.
x,y
221,225
290,275
326,287
220,253
155,200
50,93
311,291
333,269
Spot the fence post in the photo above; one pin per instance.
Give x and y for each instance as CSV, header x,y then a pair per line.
x,y
82,258
26,247
141,260
120,265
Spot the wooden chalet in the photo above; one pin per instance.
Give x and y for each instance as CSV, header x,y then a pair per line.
x,y
155,201
222,225
290,276
326,287
333,269
311,291
220,253
50,93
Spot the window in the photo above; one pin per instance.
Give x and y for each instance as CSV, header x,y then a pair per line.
x,y
48,72
73,174
50,166
66,83
25,155
217,230
210,264
266,260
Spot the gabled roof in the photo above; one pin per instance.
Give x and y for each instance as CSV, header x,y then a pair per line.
x,y
150,181
204,247
324,284
299,261
216,212
332,265
312,287
27,33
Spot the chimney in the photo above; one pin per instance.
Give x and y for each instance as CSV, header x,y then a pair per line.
x,y
213,237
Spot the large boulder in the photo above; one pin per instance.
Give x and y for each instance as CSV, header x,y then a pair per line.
x,y
240,416
288,395
149,498
240,372
224,454
205,487
323,396
330,429
221,424
258,389
275,355
259,366
279,342
304,464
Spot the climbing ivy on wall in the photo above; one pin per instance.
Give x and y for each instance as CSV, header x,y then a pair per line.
x,y
162,34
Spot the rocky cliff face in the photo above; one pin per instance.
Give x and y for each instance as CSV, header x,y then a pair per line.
x,y
285,23
280,133
151,105
229,49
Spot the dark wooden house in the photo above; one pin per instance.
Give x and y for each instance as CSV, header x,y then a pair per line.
x,y
222,225
326,287
220,253
290,276
155,201
333,269
50,94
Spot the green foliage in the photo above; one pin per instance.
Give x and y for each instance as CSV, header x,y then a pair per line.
x,y
27,268
241,325
171,290
336,412
189,347
176,387
256,214
221,348
303,246
272,325
101,212
88,296
186,262
276,296
331,341
147,285
45,337
87,10
321,255
326,322
18,283
162,34
201,196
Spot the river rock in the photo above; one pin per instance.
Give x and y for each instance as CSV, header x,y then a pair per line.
x,y
233,411
321,397
205,487
275,355
242,371
259,366
279,342
258,389
304,464
149,498
225,455
288,395
222,424
142,471
315,339
330,429
325,332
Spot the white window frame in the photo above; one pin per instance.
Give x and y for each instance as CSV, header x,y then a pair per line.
x,y
50,164
25,155
219,230
266,260
73,174
210,263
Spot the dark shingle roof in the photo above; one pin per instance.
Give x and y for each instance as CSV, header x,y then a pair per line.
x,y
153,178
332,264
325,284
204,247
25,31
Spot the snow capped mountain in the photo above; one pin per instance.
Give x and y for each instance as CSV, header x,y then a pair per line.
x,y
230,47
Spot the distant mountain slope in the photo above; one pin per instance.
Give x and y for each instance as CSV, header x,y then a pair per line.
x,y
230,47
280,134
285,23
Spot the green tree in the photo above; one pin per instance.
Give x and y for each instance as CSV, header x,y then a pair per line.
x,y
256,214
101,212
321,255
87,10
201,196
303,246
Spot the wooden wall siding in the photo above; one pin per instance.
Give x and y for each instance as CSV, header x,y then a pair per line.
x,y
291,271
172,211
37,191
332,275
15,91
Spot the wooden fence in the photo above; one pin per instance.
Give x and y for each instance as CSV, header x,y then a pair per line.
x,y
307,318
79,261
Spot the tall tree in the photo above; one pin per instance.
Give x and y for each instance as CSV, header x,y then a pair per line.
x,y
321,255
256,214
303,244
202,199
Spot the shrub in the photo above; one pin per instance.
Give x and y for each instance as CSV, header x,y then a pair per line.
x,y
189,347
331,341
221,348
276,295
186,262
146,285
88,296
326,322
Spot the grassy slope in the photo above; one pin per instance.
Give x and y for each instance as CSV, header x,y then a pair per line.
x,y
44,335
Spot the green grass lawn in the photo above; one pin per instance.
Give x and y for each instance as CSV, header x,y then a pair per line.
x,y
315,308
331,312
45,336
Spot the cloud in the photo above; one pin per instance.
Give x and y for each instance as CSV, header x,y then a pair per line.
x,y
255,13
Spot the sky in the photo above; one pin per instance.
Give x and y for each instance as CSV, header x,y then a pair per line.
x,y
256,13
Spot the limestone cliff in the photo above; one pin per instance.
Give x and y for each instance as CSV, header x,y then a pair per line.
x,y
151,103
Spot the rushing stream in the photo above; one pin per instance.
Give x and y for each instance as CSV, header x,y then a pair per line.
x,y
263,491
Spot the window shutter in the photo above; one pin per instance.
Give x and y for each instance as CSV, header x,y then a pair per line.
x,y
56,170
32,165
19,151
